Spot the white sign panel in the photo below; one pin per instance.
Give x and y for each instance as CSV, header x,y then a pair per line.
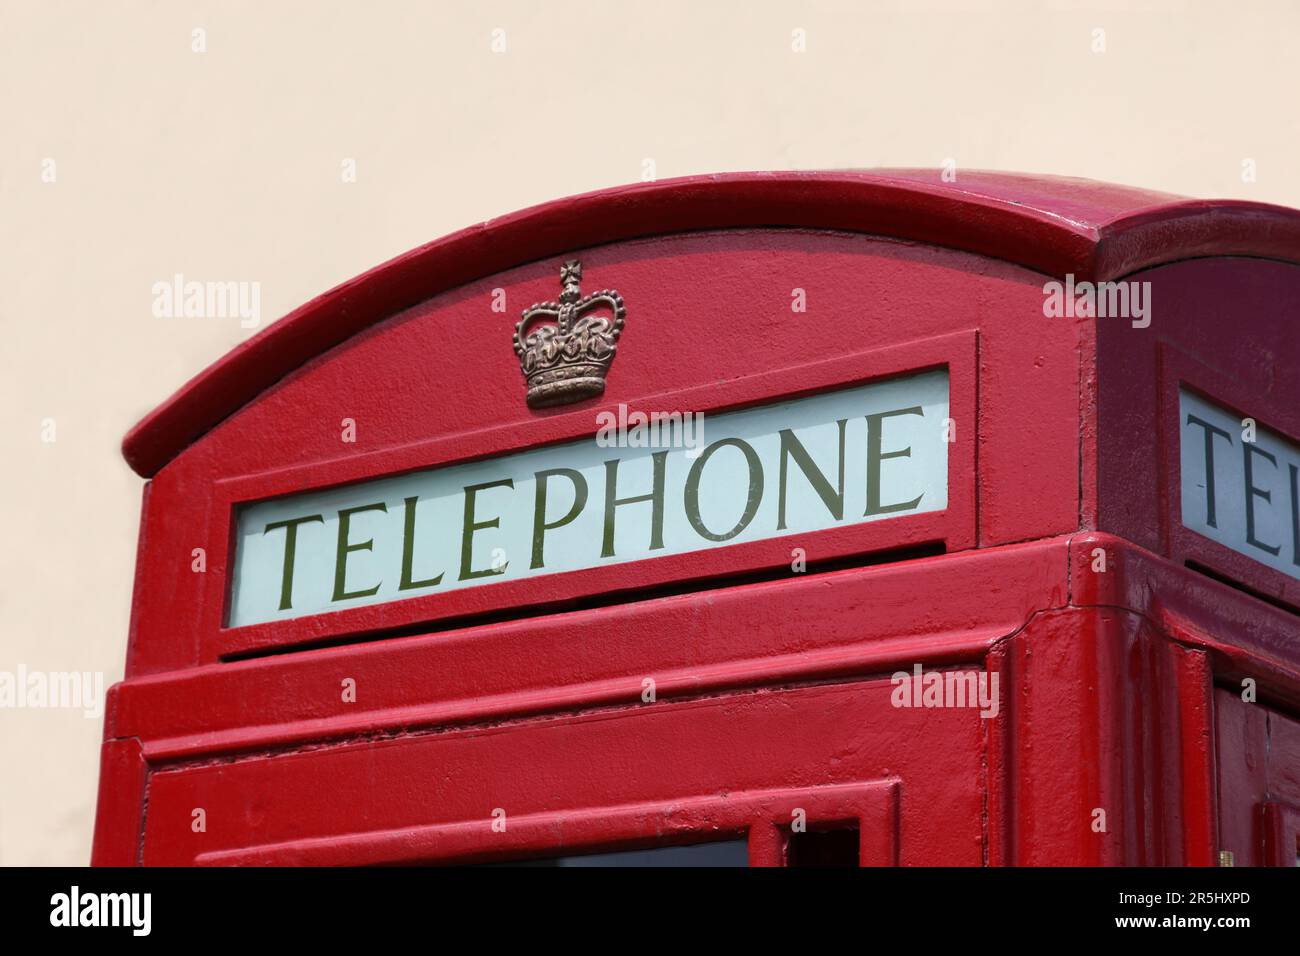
x,y
1240,484
859,454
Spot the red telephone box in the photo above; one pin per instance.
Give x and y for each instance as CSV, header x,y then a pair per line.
x,y
780,518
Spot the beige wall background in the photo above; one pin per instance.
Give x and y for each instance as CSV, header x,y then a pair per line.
x,y
227,165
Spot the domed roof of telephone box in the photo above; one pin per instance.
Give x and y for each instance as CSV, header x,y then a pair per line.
x,y
1054,225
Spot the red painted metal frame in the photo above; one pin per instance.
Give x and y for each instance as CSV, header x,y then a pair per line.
x,y
402,799
701,646
762,817
1114,710
757,634
954,527
1242,635
1182,544
1258,750
1281,834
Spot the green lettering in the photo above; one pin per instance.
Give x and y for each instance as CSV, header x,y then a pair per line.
x,y
408,550
345,548
471,525
875,456
290,547
753,497
540,524
791,447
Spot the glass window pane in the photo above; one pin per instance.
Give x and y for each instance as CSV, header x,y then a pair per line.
x,y
721,853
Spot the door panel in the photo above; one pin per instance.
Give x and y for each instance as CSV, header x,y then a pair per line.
x,y
1258,757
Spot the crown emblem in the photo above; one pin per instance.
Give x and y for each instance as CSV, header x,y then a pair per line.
x,y
564,350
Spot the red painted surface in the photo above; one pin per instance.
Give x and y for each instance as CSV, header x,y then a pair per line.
x,y
1259,789
1120,689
